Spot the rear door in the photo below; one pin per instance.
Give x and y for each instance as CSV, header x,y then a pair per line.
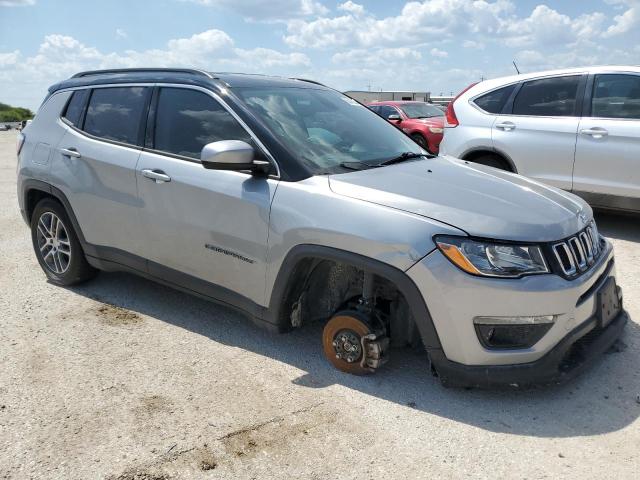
x,y
607,166
97,172
539,131
211,225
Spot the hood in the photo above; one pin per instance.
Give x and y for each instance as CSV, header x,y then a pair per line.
x,y
482,201
431,121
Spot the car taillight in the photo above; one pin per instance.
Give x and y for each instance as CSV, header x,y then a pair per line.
x,y
19,142
450,114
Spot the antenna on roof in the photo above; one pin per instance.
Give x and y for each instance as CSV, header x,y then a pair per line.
x,y
516,66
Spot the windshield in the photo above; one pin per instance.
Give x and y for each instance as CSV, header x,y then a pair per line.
x,y
326,129
421,110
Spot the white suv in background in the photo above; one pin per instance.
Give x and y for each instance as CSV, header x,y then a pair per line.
x,y
576,129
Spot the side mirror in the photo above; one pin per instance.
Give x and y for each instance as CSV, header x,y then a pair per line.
x,y
394,117
231,155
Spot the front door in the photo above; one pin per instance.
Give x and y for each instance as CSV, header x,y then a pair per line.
x,y
210,225
607,166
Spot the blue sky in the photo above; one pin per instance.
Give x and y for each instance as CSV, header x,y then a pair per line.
x,y
433,45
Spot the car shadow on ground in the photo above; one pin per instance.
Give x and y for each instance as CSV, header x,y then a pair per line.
x,y
602,400
619,226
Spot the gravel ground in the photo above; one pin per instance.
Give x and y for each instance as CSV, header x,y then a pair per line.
x,y
123,379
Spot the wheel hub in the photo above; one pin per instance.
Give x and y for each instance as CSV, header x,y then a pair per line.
x,y
347,345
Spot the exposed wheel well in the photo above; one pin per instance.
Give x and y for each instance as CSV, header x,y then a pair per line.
x,y
33,196
490,155
319,287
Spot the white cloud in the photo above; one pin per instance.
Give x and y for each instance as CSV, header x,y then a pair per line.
x,y
351,7
546,26
484,20
627,21
261,10
16,3
436,52
473,44
120,33
9,58
382,57
59,56
418,20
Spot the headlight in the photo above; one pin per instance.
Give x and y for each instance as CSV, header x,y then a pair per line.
x,y
492,259
436,129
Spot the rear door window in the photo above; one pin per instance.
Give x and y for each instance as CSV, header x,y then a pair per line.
x,y
73,113
548,97
115,113
493,102
186,120
616,96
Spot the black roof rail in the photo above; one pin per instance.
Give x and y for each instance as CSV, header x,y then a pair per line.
x,y
308,81
192,71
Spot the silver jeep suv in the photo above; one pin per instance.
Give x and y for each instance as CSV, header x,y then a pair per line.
x,y
296,204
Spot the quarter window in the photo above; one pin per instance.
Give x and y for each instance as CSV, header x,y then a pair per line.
x,y
550,97
186,120
73,112
116,113
616,96
493,102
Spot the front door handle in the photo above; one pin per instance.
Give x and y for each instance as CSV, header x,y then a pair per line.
x,y
157,175
506,126
595,132
70,152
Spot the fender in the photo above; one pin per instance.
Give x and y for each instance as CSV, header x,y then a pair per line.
x,y
399,278
31,184
507,158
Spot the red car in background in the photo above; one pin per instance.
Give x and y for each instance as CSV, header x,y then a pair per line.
x,y
421,121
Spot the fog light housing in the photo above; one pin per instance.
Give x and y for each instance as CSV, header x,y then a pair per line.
x,y
512,332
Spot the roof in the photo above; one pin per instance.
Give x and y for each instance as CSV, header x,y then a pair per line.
x,y
179,75
495,82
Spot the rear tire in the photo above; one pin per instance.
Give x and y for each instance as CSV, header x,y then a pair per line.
x,y
56,245
491,160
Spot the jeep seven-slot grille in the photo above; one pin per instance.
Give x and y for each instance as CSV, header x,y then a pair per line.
x,y
576,254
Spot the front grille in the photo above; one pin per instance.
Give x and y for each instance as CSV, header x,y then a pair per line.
x,y
576,254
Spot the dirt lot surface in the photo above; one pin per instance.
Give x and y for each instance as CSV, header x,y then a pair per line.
x,y
124,379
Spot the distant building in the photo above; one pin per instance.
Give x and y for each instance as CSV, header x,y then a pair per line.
x,y
365,96
442,100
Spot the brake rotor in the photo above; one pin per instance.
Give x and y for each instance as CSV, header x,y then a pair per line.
x,y
342,342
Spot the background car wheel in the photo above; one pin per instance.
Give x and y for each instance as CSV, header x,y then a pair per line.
x,y
342,342
57,246
420,140
494,161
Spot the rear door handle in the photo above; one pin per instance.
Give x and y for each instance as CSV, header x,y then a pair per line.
x,y
70,152
506,126
157,175
595,132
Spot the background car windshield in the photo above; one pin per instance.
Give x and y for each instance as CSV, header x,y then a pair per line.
x,y
421,110
324,128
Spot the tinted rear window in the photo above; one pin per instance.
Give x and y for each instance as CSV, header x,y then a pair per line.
x,y
493,102
616,96
116,113
74,107
551,97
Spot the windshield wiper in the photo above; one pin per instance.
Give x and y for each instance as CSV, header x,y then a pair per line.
x,y
403,157
358,165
